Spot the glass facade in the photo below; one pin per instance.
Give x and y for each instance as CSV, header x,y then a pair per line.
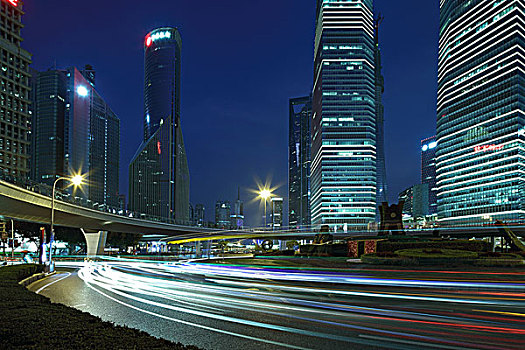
x,y
299,159
48,129
92,140
200,215
223,211
75,132
159,173
344,169
428,171
277,213
237,215
15,118
416,201
480,121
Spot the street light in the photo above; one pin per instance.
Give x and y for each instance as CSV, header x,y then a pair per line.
x,y
76,180
265,194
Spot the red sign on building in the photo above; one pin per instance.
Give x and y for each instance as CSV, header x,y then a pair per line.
x,y
488,148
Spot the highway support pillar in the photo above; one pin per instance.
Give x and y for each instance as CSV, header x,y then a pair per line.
x,y
198,250
96,241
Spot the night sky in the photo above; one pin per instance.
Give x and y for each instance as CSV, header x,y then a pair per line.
x,y
241,62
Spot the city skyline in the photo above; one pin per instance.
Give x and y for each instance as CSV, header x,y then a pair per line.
x,y
234,103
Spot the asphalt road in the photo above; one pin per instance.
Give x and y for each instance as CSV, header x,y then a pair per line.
x,y
239,307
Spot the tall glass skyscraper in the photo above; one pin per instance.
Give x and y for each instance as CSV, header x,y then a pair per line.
x,y
15,118
481,121
299,159
345,116
75,131
49,129
428,171
159,175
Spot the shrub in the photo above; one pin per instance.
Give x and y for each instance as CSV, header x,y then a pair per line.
x,y
433,251
442,254
473,246
490,255
385,255
31,321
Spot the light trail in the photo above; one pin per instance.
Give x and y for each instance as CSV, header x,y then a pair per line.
x,y
333,306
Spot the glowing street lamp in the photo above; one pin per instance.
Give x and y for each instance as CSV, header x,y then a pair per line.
x,y
264,194
76,180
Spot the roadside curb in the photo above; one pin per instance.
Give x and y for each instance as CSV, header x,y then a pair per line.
x,y
34,278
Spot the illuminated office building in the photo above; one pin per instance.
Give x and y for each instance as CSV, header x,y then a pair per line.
x,y
15,118
428,172
480,120
276,213
237,215
75,132
347,171
299,156
159,180
223,211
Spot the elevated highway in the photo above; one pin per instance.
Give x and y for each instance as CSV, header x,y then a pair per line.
x,y
25,205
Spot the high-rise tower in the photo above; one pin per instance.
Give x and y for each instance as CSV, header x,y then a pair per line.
x,y
481,112
15,118
428,171
75,131
299,159
344,179
159,174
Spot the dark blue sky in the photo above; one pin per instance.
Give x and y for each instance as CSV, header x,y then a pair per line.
x,y
242,61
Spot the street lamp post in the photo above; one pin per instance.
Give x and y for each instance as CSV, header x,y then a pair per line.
x,y
265,194
76,180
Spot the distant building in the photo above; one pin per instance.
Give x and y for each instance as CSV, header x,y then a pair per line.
x,y
416,201
192,215
15,76
299,159
223,215
122,202
237,215
277,213
428,171
199,215
159,178
75,132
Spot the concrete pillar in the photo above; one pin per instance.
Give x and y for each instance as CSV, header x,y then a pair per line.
x,y
96,241
198,250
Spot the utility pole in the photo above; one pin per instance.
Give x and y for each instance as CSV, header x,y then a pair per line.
x,y
13,238
3,235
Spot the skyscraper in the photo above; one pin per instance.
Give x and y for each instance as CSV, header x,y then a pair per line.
x,y
277,213
416,201
299,159
382,188
344,179
480,120
75,131
237,215
15,118
428,171
159,173
223,211
48,127
200,217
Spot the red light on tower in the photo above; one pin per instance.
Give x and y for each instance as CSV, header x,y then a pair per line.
x,y
148,41
159,149
13,2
